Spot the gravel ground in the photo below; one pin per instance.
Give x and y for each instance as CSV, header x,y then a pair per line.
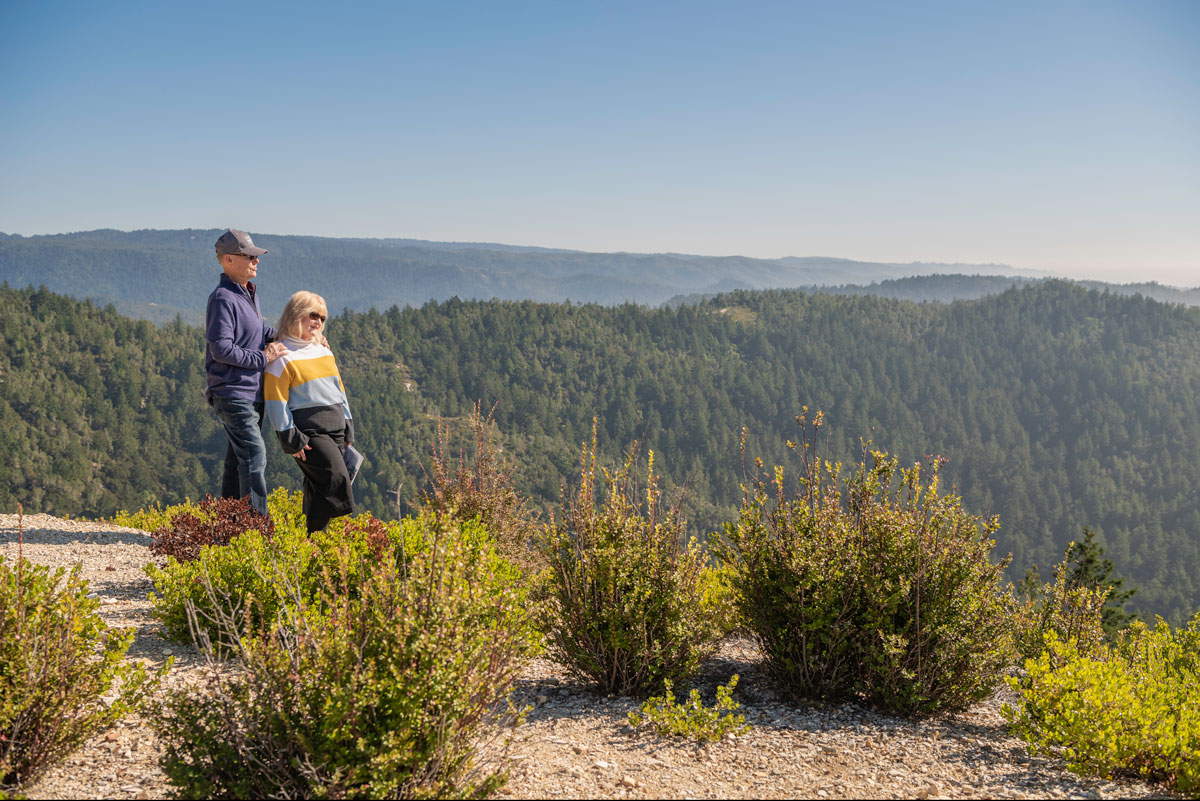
x,y
577,744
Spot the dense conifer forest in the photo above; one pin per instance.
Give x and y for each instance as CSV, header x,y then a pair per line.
x,y
1057,407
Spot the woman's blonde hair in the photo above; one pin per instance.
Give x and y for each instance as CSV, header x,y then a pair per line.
x,y
298,307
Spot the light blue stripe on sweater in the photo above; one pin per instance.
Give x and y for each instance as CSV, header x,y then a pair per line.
x,y
325,391
279,415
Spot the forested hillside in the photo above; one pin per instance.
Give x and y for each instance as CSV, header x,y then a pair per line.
x,y
1057,407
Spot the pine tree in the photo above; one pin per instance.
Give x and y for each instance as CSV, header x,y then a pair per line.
x,y
1089,568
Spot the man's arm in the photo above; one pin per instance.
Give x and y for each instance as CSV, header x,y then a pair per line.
x,y
218,331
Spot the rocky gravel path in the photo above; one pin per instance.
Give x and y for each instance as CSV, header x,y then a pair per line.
x,y
577,744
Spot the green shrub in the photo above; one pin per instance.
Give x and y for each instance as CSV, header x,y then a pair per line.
x,y
248,574
252,578
63,675
377,685
242,576
718,596
625,600
1064,610
481,486
873,588
693,719
1132,707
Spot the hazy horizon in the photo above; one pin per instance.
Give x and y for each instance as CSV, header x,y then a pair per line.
x,y
1032,273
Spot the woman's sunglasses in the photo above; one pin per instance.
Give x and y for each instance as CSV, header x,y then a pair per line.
x,y
316,316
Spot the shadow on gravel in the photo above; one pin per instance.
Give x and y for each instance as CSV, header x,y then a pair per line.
x,y
148,645
128,618
1037,775
128,590
52,536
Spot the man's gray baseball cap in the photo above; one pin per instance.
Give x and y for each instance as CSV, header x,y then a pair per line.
x,y
234,241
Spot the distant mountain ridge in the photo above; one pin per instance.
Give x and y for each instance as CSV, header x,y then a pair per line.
x,y
158,274
946,288
175,270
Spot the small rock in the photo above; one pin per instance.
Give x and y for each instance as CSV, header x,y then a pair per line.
x,y
579,749
629,781
601,764
540,699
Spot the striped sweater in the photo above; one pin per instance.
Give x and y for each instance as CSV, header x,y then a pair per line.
x,y
304,392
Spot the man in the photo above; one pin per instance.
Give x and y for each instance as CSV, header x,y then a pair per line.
x,y
238,347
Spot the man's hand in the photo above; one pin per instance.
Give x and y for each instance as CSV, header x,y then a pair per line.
x,y
300,453
274,351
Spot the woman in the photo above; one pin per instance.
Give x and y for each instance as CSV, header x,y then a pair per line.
x,y
307,406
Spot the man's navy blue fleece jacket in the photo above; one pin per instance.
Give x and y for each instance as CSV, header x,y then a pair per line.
x,y
234,337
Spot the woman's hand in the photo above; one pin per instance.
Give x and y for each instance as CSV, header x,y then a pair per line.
x,y
300,453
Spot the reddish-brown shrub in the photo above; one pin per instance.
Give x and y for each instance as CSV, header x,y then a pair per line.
x,y
378,541
219,521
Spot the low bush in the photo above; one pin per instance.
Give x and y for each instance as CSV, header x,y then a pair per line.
x,y
1132,707
693,720
254,577
719,598
875,587
625,600
378,684
481,486
216,522
63,674
240,575
1064,611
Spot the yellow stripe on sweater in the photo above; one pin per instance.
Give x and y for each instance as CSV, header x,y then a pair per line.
x,y
296,373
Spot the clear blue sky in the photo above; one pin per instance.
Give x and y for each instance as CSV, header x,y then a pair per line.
x,y
1055,136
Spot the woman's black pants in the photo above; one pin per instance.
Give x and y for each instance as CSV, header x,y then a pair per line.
x,y
327,491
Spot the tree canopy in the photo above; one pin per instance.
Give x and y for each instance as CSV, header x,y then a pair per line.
x,y
1057,407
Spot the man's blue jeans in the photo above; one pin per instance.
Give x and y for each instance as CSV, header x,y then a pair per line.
x,y
246,455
